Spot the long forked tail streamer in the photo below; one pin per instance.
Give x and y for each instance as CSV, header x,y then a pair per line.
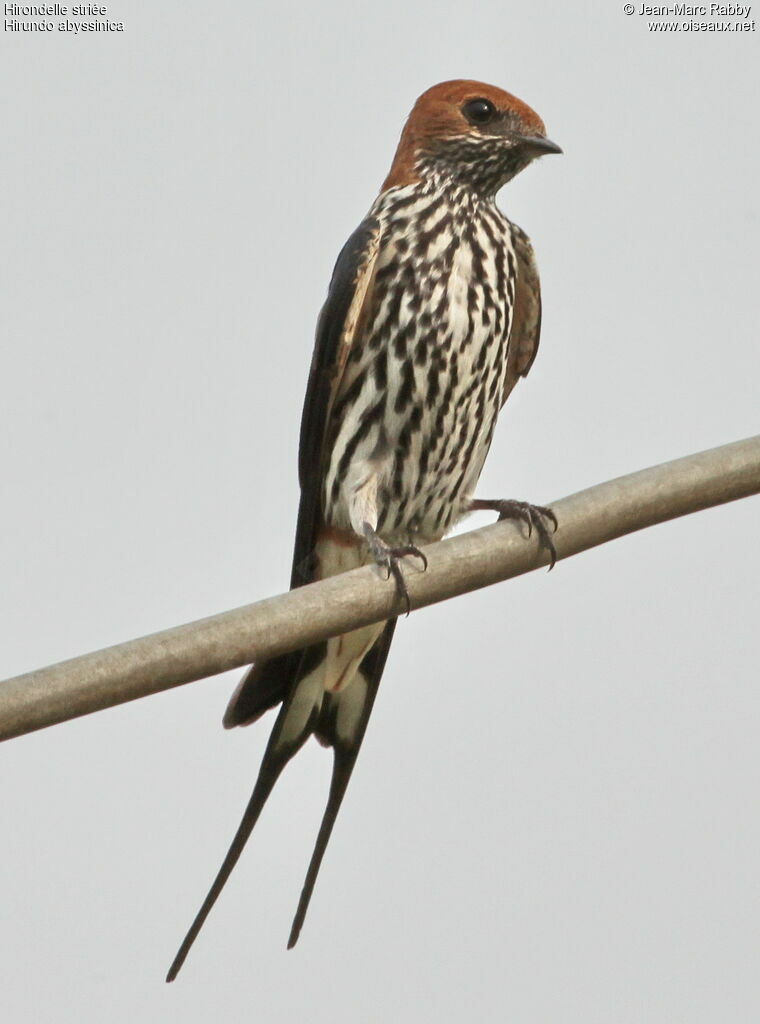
x,y
262,789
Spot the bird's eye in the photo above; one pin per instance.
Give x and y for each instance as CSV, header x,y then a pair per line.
x,y
479,111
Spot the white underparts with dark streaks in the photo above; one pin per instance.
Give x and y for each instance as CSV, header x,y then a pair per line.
x,y
418,401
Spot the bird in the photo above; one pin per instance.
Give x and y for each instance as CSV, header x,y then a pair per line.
x,y
433,314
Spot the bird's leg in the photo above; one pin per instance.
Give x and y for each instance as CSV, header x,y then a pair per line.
x,y
389,557
534,516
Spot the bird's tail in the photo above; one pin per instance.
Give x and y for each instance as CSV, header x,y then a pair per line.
x,y
341,725
331,695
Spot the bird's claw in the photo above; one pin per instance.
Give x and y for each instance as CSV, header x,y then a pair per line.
x,y
534,516
389,558
410,550
539,517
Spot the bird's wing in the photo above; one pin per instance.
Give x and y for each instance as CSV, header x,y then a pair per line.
x,y
525,332
338,328
268,682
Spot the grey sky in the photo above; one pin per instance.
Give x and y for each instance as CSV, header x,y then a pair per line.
x,y
554,817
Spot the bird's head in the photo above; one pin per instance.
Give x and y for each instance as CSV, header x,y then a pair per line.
x,y
475,134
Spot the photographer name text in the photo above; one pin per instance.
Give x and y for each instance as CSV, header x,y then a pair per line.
x,y
694,10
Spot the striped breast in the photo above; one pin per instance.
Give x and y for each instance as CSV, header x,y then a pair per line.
x,y
419,398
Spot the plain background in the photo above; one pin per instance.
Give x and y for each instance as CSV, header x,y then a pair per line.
x,y
555,815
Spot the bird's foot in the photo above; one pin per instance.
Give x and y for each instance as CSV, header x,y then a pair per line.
x,y
537,517
389,558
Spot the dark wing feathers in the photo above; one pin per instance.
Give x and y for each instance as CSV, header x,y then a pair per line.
x,y
336,330
266,683
525,332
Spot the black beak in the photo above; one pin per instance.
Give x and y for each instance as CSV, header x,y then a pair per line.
x,y
537,145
